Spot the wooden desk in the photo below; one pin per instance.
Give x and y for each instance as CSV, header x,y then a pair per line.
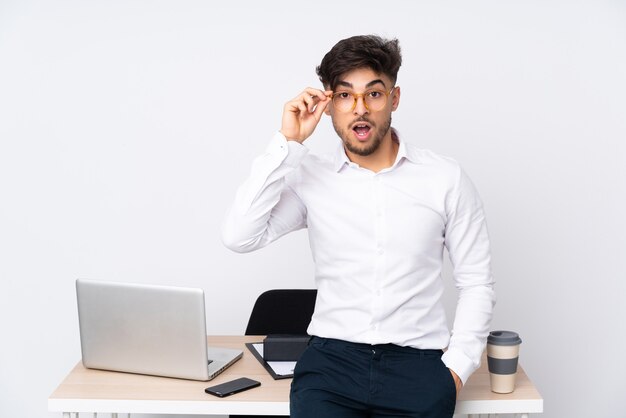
x,y
86,390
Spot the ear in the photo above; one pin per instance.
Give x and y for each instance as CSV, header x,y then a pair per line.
x,y
395,100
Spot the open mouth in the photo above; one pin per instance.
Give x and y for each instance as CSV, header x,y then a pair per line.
x,y
361,130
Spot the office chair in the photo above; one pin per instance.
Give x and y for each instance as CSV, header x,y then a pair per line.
x,y
281,311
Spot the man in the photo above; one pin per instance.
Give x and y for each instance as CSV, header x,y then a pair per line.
x,y
379,213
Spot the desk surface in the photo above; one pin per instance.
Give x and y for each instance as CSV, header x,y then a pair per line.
x,y
86,390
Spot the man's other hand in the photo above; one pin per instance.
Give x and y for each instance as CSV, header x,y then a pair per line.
x,y
457,382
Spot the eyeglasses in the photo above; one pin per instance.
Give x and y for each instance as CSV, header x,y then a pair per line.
x,y
374,100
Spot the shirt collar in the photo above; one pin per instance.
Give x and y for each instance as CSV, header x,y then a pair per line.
x,y
404,152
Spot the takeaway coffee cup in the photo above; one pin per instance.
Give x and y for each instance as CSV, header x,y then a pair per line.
x,y
502,355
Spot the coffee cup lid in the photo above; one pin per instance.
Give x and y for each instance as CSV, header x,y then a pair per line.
x,y
503,338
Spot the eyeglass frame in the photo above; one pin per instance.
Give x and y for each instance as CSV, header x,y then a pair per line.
x,y
362,96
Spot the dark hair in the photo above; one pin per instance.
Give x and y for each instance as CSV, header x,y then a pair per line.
x,y
364,51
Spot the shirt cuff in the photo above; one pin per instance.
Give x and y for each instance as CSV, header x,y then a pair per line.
x,y
292,152
459,363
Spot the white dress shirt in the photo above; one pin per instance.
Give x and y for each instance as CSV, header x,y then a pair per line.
x,y
377,240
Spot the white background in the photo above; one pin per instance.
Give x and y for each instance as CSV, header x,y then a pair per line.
x,y
126,126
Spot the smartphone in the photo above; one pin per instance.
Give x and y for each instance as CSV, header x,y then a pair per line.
x,y
232,387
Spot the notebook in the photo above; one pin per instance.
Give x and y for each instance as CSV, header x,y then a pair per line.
x,y
147,329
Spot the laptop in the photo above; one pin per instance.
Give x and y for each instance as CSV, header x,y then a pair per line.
x,y
147,329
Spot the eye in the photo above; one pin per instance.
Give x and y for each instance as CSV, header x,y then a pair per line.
x,y
343,95
375,94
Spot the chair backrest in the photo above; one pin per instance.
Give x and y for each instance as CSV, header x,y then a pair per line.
x,y
282,311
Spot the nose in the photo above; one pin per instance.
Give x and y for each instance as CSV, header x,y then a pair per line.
x,y
359,106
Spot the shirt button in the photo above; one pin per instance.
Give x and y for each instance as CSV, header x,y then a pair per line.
x,y
381,250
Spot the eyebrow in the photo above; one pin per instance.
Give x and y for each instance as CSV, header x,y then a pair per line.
x,y
368,85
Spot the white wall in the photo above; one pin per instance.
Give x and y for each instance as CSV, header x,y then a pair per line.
x,y
125,127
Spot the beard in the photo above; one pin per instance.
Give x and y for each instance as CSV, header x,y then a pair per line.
x,y
354,146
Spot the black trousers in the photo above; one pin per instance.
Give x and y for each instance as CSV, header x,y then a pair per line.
x,y
338,379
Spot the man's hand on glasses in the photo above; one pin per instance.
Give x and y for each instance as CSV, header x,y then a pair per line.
x,y
302,114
